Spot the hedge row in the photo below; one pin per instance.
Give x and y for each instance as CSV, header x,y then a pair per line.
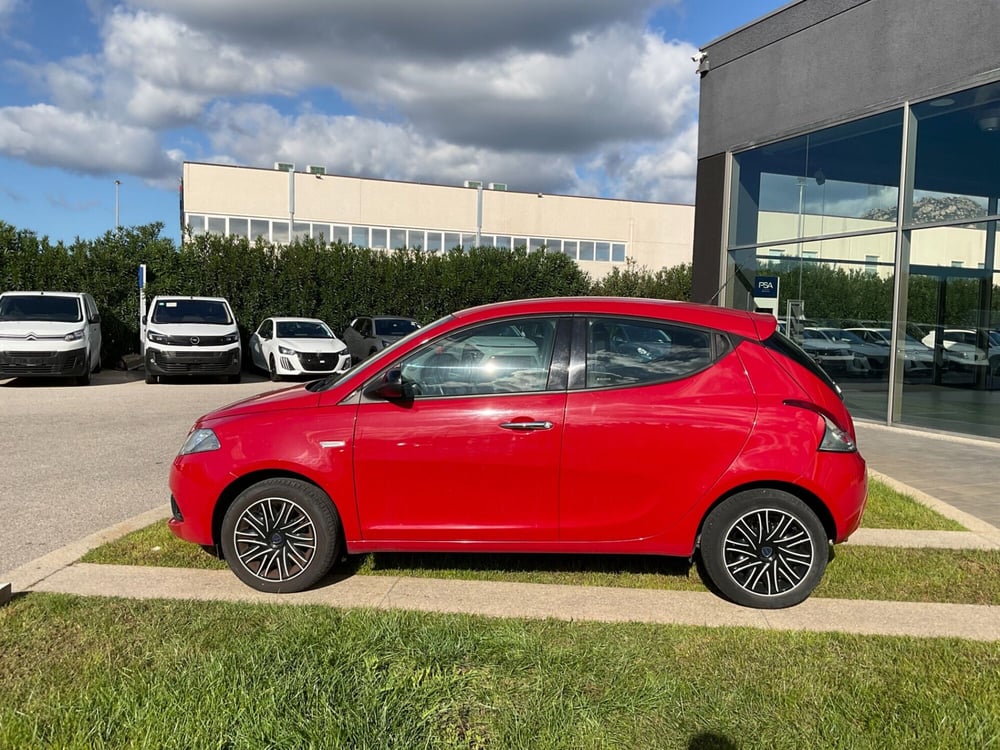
x,y
335,282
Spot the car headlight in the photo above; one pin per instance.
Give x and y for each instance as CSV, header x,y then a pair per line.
x,y
231,338
200,441
75,336
286,351
156,338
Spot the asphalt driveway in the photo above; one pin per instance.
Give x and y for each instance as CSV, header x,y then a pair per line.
x,y
77,459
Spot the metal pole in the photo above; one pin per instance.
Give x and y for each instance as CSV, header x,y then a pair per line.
x,y
479,215
117,184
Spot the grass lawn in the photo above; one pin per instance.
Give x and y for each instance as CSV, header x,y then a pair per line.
x,y
107,673
929,575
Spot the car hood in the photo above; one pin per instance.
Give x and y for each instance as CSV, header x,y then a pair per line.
x,y
295,397
331,346
40,328
191,329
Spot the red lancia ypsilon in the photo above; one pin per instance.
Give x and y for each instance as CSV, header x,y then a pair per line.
x,y
572,425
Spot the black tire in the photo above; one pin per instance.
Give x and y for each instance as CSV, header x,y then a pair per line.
x,y
235,378
272,370
764,548
85,378
258,541
151,378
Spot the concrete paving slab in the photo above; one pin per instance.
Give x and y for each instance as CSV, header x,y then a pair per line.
x,y
540,601
931,539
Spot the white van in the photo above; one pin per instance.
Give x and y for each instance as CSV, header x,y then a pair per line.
x,y
191,337
49,334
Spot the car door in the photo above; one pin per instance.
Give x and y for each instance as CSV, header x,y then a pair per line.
x,y
353,339
93,329
474,455
648,431
256,345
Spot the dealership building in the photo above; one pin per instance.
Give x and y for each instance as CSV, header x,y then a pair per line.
x,y
286,203
855,144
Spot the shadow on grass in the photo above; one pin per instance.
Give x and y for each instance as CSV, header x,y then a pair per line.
x,y
450,564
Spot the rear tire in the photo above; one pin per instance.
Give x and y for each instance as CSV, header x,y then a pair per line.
x,y
281,535
764,548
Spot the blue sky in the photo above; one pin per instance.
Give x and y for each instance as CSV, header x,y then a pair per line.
x,y
582,97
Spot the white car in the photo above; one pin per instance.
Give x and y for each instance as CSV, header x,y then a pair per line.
x,y
49,334
297,346
961,346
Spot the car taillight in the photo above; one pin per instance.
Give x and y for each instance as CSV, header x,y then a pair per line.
x,y
835,438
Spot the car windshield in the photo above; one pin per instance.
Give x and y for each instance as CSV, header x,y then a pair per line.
x,y
848,336
395,326
213,312
302,329
40,307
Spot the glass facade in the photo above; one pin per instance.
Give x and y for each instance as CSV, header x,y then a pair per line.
x,y
881,234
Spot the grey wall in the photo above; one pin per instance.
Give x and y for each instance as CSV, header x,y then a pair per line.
x,y
819,61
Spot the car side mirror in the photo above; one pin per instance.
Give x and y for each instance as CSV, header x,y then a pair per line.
x,y
392,387
96,318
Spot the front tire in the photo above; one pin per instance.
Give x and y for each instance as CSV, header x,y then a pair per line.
x,y
764,548
272,370
281,535
151,378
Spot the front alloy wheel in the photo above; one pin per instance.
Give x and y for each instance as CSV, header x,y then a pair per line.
x,y
764,548
281,535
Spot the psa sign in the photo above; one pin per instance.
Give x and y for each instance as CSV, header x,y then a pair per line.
x,y
765,287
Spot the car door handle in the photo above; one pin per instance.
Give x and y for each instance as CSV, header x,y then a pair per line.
x,y
526,426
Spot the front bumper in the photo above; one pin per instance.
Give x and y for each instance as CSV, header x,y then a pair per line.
x,y
34,364
190,362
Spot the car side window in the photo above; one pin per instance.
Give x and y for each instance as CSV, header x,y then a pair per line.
x,y
508,357
265,330
365,327
630,352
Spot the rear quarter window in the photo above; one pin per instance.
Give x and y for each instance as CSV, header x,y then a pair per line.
x,y
636,352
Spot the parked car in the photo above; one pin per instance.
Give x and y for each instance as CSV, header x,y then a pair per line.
x,y
961,346
368,334
297,346
191,336
49,334
732,447
917,356
833,356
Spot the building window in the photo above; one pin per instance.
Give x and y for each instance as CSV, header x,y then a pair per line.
x,y
341,234
300,230
553,246
618,252
380,238
468,242
359,236
321,232
415,239
871,264
279,231
260,228
397,239
503,243
602,251
196,223
434,242
586,250
535,243
452,240
237,227
216,224
570,248
520,242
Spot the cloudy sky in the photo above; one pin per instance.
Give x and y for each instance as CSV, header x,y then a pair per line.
x,y
590,97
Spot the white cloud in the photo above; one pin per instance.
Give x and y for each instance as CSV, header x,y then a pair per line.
x,y
574,96
48,136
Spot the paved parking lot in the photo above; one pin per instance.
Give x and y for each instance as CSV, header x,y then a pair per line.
x,y
75,460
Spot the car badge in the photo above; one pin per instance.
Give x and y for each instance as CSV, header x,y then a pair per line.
x,y
195,341
31,336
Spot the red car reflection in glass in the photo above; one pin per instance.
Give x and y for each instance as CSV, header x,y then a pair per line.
x,y
573,425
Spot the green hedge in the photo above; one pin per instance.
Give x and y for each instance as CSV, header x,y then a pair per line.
x,y
335,282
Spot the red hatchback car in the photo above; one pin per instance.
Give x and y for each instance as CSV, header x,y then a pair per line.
x,y
572,425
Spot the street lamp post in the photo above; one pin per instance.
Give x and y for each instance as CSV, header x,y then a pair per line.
x,y
117,185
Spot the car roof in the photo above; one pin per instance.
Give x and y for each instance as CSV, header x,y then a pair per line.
x,y
739,322
288,319
191,297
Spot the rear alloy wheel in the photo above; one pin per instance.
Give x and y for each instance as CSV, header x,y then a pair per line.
x,y
281,535
764,548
